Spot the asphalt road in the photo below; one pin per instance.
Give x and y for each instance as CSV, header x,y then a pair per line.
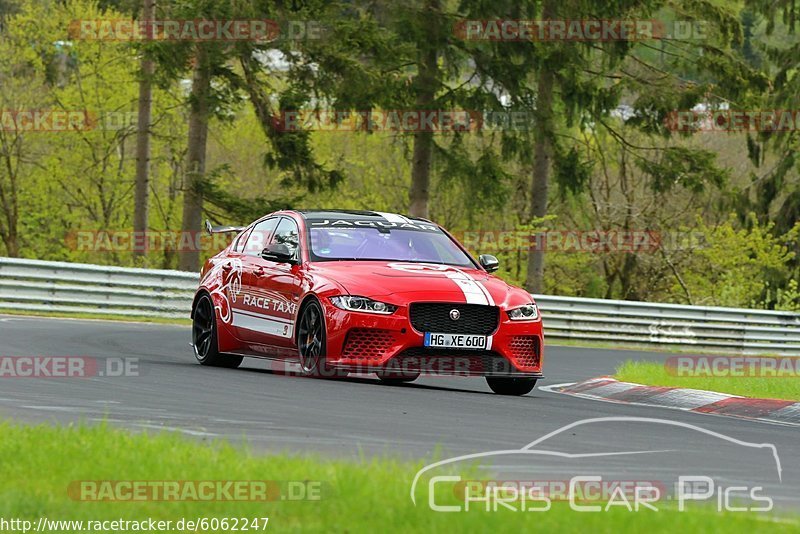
x,y
431,418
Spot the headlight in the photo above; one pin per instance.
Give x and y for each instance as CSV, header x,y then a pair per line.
x,y
529,312
363,304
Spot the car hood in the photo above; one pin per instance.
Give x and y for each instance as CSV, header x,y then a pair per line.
x,y
403,282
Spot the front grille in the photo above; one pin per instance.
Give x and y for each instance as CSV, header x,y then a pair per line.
x,y
451,361
435,317
368,344
525,350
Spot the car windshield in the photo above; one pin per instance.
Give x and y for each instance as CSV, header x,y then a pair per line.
x,y
395,244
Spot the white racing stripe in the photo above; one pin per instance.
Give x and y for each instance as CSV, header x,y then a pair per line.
x,y
472,291
393,217
263,323
485,291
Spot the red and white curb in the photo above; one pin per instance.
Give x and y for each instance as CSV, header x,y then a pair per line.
x,y
690,400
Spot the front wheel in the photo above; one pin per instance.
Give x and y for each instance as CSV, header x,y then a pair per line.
x,y
511,386
204,337
312,343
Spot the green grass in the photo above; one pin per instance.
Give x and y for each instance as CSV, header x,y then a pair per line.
x,y
37,465
98,316
628,345
656,374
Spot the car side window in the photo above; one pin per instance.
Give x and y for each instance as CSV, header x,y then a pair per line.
x,y
288,234
241,240
259,237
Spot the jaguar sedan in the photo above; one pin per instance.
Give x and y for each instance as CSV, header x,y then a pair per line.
x,y
341,292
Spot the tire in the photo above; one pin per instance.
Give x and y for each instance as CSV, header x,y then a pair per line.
x,y
204,337
312,338
511,386
397,378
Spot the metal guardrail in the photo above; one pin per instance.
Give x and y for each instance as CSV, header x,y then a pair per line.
x,y
33,285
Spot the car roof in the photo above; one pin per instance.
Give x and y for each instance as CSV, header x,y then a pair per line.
x,y
353,215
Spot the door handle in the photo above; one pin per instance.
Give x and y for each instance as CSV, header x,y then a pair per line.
x,y
259,272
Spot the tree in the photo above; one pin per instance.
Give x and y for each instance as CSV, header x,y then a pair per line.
x,y
542,155
588,81
774,194
217,87
142,188
425,86
196,156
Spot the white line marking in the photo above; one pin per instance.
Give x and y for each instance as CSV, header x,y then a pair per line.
x,y
550,389
187,431
54,408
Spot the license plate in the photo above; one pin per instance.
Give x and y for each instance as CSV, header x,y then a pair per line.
x,y
457,341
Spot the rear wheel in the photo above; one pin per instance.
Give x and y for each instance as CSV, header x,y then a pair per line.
x,y
204,337
511,386
312,343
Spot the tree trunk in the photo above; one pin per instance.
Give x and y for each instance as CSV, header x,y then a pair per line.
x,y
196,156
11,153
142,190
542,153
425,83
420,175
11,238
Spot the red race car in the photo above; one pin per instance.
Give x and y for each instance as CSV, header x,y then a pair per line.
x,y
366,292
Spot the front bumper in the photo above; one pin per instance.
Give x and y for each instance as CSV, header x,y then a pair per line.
x,y
363,342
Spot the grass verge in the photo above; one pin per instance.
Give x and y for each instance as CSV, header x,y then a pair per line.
x,y
38,464
98,317
656,374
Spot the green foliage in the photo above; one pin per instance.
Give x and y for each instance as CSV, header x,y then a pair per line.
x,y
680,166
742,266
616,166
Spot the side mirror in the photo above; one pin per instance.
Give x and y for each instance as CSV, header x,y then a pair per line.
x,y
278,252
489,262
